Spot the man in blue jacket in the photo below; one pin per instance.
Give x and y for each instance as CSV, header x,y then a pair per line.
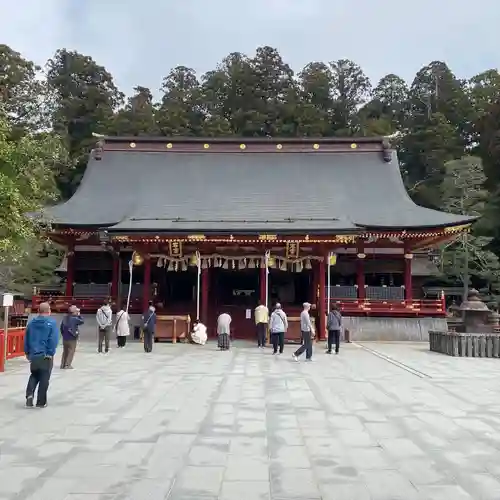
x,y
40,343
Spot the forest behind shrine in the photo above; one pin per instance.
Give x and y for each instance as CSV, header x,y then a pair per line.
x,y
446,131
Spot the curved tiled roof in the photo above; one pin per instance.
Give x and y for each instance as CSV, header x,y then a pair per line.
x,y
265,191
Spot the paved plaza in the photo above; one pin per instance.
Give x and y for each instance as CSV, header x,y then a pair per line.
x,y
379,422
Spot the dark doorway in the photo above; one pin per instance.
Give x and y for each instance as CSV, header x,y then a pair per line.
x,y
236,287
289,288
175,288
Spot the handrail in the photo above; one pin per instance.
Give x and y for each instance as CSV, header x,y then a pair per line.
x,y
15,345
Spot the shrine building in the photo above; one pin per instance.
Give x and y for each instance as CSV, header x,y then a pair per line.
x,y
217,225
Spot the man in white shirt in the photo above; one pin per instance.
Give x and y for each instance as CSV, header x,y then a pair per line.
x,y
261,315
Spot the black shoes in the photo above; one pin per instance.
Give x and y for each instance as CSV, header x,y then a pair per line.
x,y
29,402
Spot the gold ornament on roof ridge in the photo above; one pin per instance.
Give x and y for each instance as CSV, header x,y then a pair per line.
x,y
206,146
315,146
243,146
354,145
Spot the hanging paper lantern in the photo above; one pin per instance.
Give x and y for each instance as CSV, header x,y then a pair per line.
x,y
159,262
243,264
137,259
176,266
170,266
204,264
298,267
233,264
271,262
216,263
251,264
184,265
308,264
225,265
283,266
193,260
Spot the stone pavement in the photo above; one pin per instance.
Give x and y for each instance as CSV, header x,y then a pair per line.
x,y
379,422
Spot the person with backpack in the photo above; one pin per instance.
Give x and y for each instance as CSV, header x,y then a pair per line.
x,y
278,325
122,327
149,326
104,318
69,333
334,325
40,344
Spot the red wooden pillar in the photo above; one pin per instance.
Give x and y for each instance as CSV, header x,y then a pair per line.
x,y
360,270
322,298
70,270
115,278
263,283
205,289
314,284
146,293
408,256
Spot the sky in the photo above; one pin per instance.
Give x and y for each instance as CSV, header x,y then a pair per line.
x,y
140,41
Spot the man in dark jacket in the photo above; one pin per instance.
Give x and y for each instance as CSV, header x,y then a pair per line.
x,y
333,325
69,332
40,343
149,326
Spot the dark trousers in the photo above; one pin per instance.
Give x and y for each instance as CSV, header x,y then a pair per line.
x,y
261,334
333,337
121,340
307,345
40,368
69,348
148,340
278,338
104,335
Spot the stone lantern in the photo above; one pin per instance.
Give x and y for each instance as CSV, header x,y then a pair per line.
x,y
475,314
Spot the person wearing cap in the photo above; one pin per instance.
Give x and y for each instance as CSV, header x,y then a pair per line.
x,y
40,344
278,325
69,333
261,315
307,332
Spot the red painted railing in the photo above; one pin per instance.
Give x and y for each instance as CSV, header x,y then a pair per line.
x,y
61,303
410,308
15,345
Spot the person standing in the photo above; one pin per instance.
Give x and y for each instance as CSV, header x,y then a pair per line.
x,y
278,325
223,331
104,318
261,315
122,327
307,332
149,327
40,344
69,333
334,325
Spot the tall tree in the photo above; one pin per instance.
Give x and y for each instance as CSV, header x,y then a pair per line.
x,y
137,117
469,257
275,94
387,112
424,151
22,93
228,97
351,89
28,158
181,110
314,110
84,100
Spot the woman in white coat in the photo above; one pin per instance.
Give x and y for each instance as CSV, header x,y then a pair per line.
x,y
122,327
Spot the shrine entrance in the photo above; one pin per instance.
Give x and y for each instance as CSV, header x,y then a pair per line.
x,y
237,293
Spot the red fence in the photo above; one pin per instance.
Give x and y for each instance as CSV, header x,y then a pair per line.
x,y
61,303
15,345
404,308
